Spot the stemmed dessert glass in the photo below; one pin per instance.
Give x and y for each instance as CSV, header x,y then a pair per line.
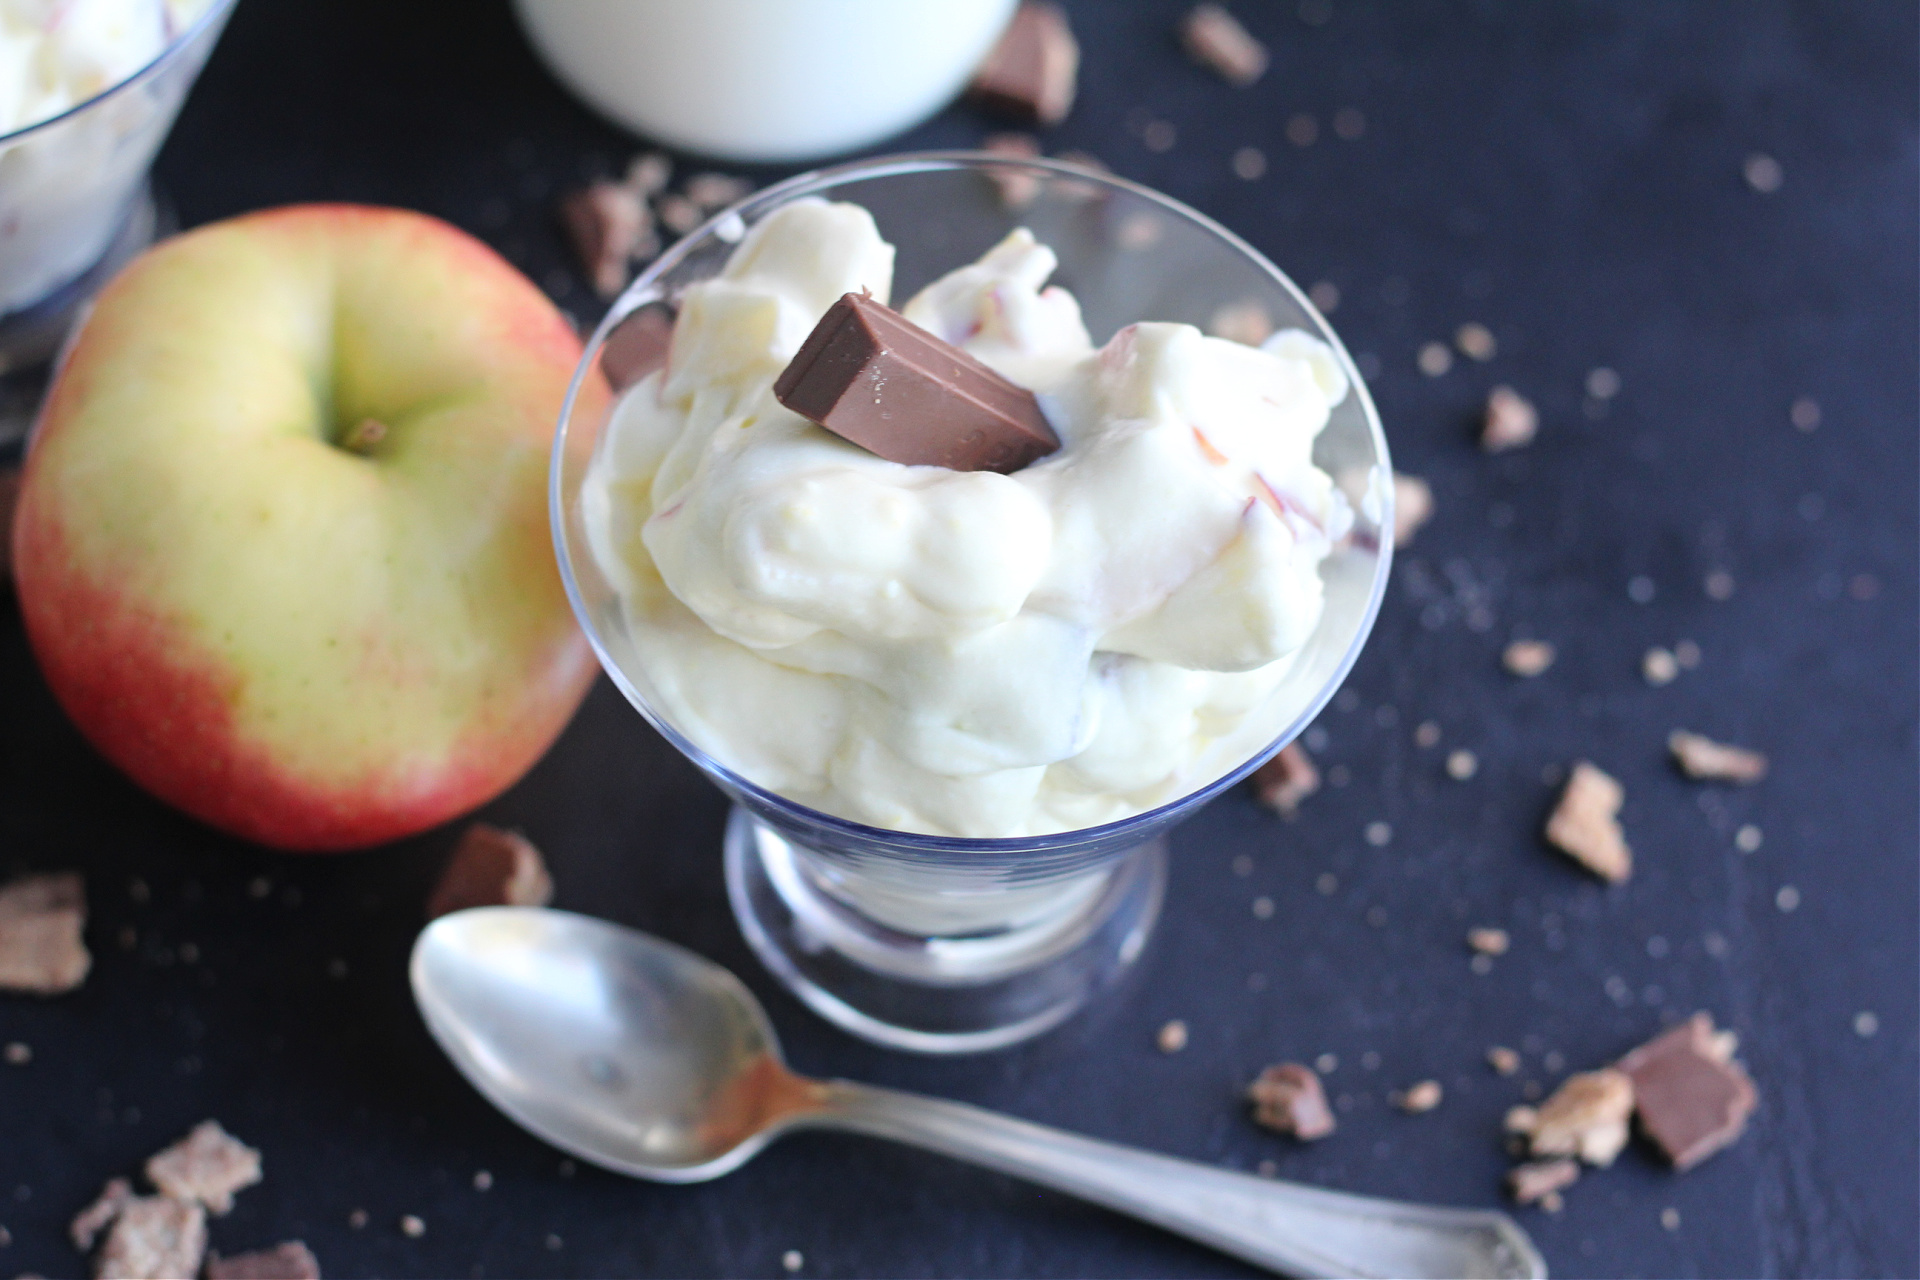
x,y
943,944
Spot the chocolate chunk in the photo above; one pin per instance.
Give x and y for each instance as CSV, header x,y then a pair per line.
x,y
98,1216
491,868
1702,758
1528,1183
1691,1096
637,346
609,225
1585,823
1528,658
289,1261
41,921
154,1238
1288,1097
1031,73
1511,421
1586,1117
1215,37
207,1165
872,377
1412,507
1284,781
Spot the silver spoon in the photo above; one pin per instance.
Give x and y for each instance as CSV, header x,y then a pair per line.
x,y
646,1059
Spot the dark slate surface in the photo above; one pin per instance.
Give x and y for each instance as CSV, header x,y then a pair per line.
x,y
1570,176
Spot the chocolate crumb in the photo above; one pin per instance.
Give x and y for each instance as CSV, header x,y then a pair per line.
x,y
1528,658
1535,1181
1288,1098
1511,421
677,213
42,918
1032,73
154,1238
1659,667
1692,1098
1489,941
491,867
1435,359
1670,1218
357,1220
1412,507
1018,187
1585,824
291,1260
1284,781
1702,758
1462,764
207,1165
609,225
1172,1037
1324,295
98,1216
1503,1060
1585,1117
1419,1098
1476,342
1215,37
412,1226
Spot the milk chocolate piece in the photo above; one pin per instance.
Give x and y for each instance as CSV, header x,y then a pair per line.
x,y
637,346
1215,37
1288,1098
289,1261
208,1165
41,921
874,378
610,226
491,867
1691,1096
1284,781
1031,74
154,1238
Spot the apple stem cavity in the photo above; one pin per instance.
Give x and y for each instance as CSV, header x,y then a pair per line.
x,y
364,435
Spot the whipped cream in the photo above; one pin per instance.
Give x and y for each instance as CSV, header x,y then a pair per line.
x,y
966,653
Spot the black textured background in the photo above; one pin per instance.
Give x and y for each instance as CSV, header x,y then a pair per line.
x,y
1569,175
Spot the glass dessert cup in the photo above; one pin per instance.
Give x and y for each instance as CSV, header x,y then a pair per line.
x,y
74,199
945,944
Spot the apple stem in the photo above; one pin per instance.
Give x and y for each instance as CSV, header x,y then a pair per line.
x,y
364,435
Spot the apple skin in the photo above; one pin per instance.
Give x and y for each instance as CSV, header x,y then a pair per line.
x,y
311,647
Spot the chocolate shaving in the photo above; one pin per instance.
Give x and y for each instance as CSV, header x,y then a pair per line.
x,y
1284,781
873,378
1032,72
491,868
1704,759
1288,1098
1585,825
609,225
289,1261
208,1165
1585,1117
42,918
637,346
1215,37
1691,1096
154,1238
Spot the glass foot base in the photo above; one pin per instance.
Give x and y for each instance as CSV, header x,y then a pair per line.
x,y
947,992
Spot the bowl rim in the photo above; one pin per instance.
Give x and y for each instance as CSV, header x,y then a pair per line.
x,y
726,224
215,12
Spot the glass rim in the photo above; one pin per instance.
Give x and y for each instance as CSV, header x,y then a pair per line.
x,y
643,291
159,62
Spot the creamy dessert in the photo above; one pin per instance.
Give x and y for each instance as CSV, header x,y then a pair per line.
x,y
55,54
966,653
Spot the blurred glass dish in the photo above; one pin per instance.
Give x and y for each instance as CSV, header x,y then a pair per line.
x,y
948,944
74,202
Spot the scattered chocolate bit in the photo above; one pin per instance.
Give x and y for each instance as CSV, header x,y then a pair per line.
x,y
208,1165
154,1238
1412,507
678,214
1585,824
1288,1098
1521,1120
637,346
9,496
1476,342
1703,758
1302,129
1434,359
491,867
1763,173
1427,734
1805,414
42,918
1159,135
1172,1037
715,191
1528,658
609,225
412,1226
1585,1117
1246,323
1503,1060
1670,1218
289,1261
1349,123
1691,1096
1031,73
1284,781
1687,654
98,1216
357,1220
874,378
1511,421
1538,1179
1462,764
648,174
1421,1097
1249,163
1325,295
1489,941
1215,37
1019,187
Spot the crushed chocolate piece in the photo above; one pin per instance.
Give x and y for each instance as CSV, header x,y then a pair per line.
x,y
1659,667
1412,507
1503,1060
154,1238
1421,1097
1215,37
877,380
1691,1096
1538,1179
42,919
1284,781
491,867
1018,187
98,1216
1462,764
1528,658
1172,1037
1702,758
678,214
1246,323
1476,342
1585,1117
291,1260
1521,1120
1585,824
1489,941
715,191
1288,1098
648,174
609,225
1511,421
637,346
413,1226
208,1165
1434,359
1031,74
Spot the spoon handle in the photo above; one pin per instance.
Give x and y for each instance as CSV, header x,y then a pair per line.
x,y
1297,1230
